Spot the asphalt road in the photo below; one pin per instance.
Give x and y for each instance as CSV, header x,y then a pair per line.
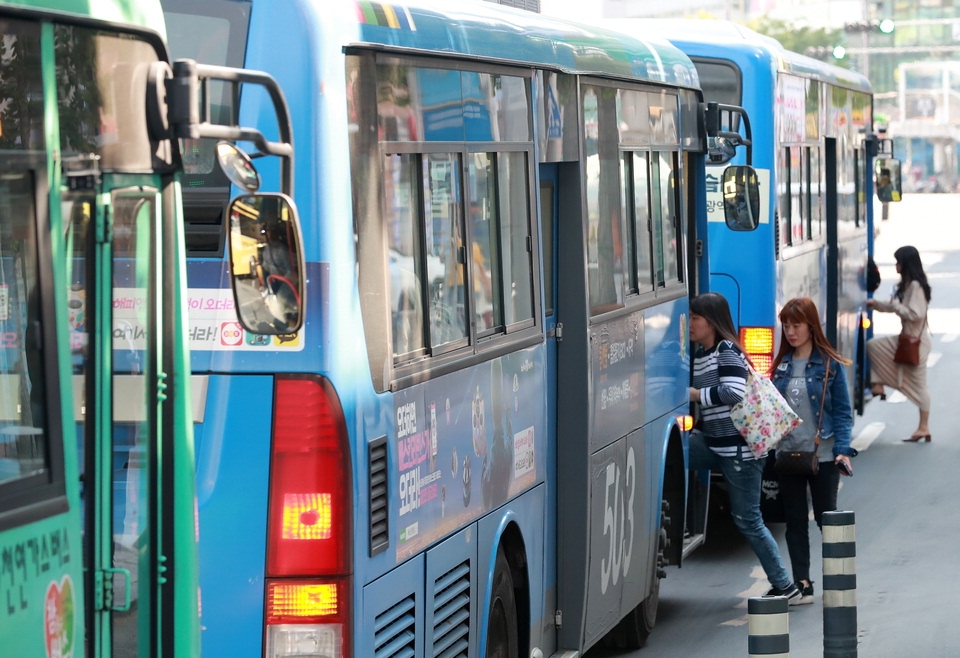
x,y
906,498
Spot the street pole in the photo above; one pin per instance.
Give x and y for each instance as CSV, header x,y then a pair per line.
x,y
864,40
865,57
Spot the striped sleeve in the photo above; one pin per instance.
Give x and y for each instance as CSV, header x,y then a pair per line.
x,y
720,374
731,375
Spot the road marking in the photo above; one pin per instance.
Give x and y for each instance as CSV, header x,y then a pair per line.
x,y
896,397
932,358
758,588
868,435
948,338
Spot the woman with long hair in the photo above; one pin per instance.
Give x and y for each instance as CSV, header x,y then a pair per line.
x,y
910,301
811,376
719,381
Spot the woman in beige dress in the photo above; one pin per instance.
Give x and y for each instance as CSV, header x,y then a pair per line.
x,y
910,300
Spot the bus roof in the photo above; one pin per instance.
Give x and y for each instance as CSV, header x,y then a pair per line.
x,y
729,40
133,13
472,28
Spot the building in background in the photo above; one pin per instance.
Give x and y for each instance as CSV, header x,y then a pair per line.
x,y
529,5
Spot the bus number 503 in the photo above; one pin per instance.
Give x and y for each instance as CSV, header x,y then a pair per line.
x,y
618,523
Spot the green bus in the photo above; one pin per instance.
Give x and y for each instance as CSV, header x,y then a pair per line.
x,y
98,532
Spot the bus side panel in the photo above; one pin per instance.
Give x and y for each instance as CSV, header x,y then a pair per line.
x,y
744,260
620,542
642,512
450,594
666,360
465,444
41,588
527,512
391,618
233,457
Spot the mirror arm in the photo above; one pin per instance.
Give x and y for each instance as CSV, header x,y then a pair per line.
x,y
712,117
183,94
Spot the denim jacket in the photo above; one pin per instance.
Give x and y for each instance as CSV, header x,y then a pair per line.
x,y
837,412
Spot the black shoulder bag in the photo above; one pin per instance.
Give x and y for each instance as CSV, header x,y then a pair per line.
x,y
803,462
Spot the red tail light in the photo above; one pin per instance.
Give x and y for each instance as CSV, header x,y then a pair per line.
x,y
309,522
757,342
310,500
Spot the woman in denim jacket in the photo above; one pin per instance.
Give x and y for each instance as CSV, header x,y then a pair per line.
x,y
798,373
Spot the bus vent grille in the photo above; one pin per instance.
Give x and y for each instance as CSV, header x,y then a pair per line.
x,y
776,235
203,213
394,630
451,613
379,513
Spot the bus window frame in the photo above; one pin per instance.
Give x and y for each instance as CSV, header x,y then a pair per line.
x,y
654,149
36,497
389,373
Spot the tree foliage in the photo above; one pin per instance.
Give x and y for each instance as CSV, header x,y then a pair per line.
x,y
803,38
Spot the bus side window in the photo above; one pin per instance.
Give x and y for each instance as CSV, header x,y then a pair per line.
x,y
23,409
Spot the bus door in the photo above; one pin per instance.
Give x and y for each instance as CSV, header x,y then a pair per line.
x,y
117,341
549,196
833,256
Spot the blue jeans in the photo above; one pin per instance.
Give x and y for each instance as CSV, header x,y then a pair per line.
x,y
743,484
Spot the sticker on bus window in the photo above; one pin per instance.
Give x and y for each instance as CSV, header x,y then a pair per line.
x,y
4,303
214,326
59,620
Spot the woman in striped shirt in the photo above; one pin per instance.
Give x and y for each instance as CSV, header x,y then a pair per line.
x,y
719,382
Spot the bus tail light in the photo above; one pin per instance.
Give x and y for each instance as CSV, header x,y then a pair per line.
x,y
306,618
757,342
309,523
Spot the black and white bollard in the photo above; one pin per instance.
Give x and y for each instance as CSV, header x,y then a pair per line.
x,y
839,585
768,626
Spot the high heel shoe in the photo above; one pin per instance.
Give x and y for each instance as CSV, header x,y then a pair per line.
x,y
918,438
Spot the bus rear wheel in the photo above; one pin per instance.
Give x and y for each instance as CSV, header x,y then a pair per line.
x,y
503,637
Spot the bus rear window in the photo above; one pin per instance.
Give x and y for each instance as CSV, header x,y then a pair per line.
x,y
210,32
721,81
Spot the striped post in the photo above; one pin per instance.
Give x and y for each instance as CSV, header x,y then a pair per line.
x,y
768,625
839,586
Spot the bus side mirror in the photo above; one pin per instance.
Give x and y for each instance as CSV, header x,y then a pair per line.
x,y
741,198
888,182
266,263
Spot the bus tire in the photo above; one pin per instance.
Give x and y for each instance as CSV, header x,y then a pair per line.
x,y
503,636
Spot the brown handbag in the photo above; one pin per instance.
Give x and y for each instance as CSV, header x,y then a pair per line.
x,y
804,462
908,347
908,350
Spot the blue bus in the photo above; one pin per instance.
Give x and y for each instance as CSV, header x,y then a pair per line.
x,y
98,550
813,151
468,447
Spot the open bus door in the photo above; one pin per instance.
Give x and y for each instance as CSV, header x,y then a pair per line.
x,y
137,524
